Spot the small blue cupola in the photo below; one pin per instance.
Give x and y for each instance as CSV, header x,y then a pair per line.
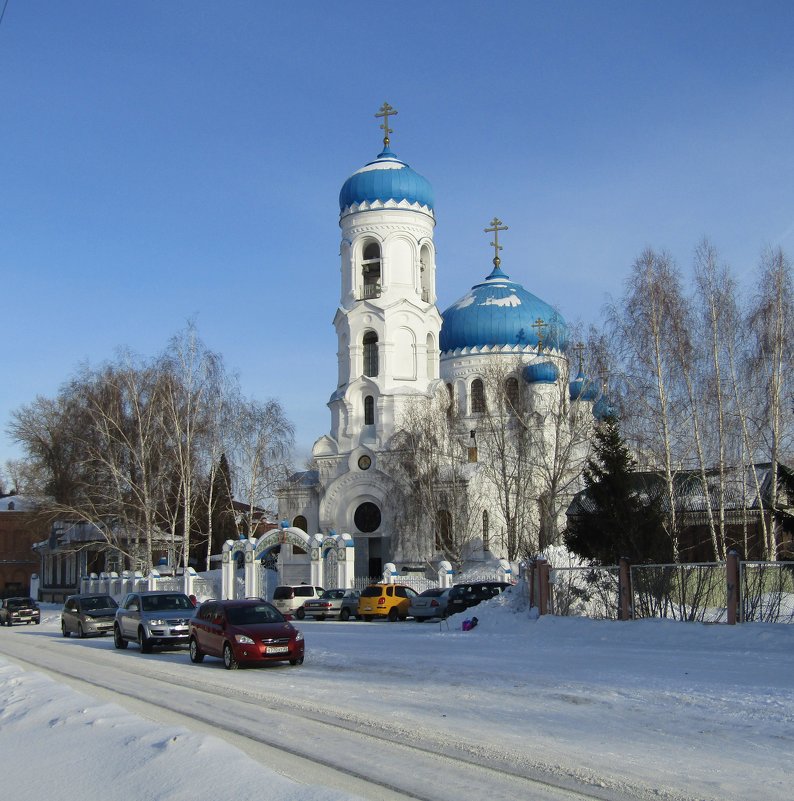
x,y
602,409
582,388
541,373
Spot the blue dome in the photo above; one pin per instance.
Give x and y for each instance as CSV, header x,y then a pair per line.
x,y
582,388
541,373
497,313
386,178
603,409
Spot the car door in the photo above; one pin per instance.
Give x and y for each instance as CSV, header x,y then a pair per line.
x,y
130,616
213,630
69,615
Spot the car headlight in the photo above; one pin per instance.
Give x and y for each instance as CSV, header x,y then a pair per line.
x,y
157,622
298,636
243,639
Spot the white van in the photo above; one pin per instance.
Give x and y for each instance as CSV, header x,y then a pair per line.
x,y
289,600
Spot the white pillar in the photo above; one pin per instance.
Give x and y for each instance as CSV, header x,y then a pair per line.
x,y
389,573
444,574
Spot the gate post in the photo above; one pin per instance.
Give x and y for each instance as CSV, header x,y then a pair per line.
x,y
732,583
542,567
625,593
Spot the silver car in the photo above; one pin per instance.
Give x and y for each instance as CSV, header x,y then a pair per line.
x,y
429,604
333,603
88,615
153,618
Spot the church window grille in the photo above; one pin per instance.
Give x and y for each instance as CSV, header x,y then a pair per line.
x,y
444,540
511,395
301,523
369,411
486,535
370,271
370,354
477,397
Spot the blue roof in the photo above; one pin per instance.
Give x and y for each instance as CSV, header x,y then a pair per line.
x,y
386,178
582,388
499,312
541,373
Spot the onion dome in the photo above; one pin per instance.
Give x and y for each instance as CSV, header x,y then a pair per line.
x,y
386,181
541,373
500,313
582,388
602,409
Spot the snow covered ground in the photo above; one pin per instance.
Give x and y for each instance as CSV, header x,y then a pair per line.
x,y
646,709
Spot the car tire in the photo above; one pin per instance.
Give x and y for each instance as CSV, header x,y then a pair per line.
x,y
300,613
118,640
143,641
393,614
64,631
195,652
344,614
229,661
298,661
80,631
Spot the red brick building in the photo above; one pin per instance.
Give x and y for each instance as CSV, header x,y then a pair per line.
x,y
20,528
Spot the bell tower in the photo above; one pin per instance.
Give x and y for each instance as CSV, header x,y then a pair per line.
x,y
387,323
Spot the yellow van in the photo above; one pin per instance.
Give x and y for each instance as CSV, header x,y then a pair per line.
x,y
385,600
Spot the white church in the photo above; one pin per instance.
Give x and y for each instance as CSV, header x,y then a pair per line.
x,y
395,349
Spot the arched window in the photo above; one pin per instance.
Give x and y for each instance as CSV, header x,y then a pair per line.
x,y
444,540
511,395
369,411
300,522
370,271
486,536
451,404
370,353
430,350
477,397
425,266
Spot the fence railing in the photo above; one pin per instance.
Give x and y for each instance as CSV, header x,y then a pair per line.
x,y
584,591
710,592
767,591
693,592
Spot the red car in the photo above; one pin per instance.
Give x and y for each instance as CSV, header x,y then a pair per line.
x,y
243,632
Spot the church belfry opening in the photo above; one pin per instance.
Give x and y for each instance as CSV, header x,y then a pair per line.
x,y
370,271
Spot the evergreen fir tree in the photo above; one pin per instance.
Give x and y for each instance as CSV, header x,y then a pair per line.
x,y
224,526
620,514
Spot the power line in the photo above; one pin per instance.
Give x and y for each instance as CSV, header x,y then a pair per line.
x,y
3,12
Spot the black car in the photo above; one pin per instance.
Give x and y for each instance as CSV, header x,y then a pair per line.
x,y
19,610
464,596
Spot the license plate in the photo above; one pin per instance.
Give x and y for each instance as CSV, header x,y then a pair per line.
x,y
277,649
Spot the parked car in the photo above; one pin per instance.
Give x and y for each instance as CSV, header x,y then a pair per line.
x,y
152,618
429,604
244,632
385,600
289,600
86,615
19,610
333,603
464,596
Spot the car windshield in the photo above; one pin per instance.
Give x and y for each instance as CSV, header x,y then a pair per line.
x,y
432,593
103,602
330,595
371,592
250,615
19,603
166,603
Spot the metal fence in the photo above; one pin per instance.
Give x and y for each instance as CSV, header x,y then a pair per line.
x,y
767,592
584,591
693,592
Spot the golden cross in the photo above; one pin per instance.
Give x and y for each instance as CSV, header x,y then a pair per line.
x,y
539,327
386,111
496,227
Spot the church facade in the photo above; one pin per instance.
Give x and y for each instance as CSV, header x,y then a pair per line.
x,y
397,354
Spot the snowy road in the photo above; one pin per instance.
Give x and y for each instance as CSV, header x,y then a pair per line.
x,y
514,709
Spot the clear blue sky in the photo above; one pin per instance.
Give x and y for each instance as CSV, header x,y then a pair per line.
x,y
161,161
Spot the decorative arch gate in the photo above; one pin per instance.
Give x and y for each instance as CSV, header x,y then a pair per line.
x,y
329,558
